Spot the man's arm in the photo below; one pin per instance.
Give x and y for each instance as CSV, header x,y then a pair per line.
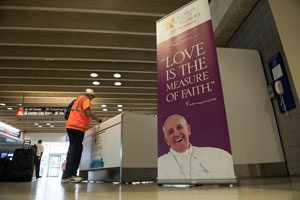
x,y
42,150
92,115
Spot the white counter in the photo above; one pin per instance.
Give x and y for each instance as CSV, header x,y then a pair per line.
x,y
122,148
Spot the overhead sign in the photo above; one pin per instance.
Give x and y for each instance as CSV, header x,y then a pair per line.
x,y
9,130
44,111
20,110
41,113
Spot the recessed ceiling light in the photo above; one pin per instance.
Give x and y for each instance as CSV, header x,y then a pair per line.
x,y
116,75
36,124
105,109
94,75
118,83
96,83
49,59
120,109
9,108
51,126
40,126
2,104
48,124
103,105
119,105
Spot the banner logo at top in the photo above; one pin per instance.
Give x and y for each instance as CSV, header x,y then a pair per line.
x,y
169,24
182,20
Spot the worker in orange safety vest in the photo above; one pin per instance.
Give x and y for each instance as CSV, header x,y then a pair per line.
x,y
78,122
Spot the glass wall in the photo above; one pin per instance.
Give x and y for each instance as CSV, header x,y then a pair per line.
x,y
54,155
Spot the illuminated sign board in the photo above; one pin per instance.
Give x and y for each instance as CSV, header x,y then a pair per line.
x,y
6,129
44,111
41,113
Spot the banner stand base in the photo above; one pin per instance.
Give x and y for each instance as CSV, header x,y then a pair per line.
x,y
197,181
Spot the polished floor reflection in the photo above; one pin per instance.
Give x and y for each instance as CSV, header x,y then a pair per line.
x,y
285,188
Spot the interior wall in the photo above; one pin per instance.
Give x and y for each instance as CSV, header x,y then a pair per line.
x,y
287,14
259,32
252,126
46,137
227,16
218,9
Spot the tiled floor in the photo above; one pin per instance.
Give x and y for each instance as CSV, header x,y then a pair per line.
x,y
250,189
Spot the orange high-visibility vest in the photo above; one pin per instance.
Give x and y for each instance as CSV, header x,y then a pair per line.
x,y
78,118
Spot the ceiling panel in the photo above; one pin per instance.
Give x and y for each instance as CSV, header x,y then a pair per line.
x,y
81,39
49,48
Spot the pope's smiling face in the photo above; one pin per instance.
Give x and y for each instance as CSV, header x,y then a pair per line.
x,y
177,133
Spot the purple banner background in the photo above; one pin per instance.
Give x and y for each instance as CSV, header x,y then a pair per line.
x,y
207,118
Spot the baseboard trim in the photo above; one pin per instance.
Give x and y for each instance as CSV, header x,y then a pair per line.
x,y
261,170
198,181
128,174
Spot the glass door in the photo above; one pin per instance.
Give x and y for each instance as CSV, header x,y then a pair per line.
x,y
54,165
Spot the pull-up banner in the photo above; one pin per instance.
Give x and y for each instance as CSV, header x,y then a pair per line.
x,y
193,139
